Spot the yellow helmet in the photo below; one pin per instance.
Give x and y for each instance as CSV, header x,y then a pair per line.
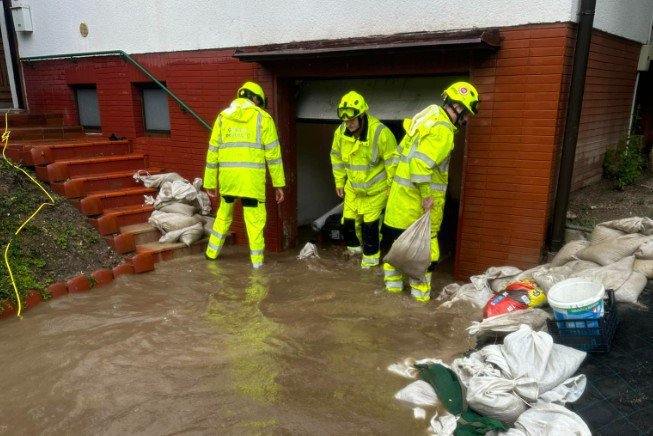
x,y
249,90
463,93
352,105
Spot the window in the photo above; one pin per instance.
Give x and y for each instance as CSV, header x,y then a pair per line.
x,y
155,110
87,106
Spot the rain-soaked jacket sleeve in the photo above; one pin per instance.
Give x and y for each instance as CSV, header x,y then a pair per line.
x,y
388,148
211,169
432,149
339,173
270,141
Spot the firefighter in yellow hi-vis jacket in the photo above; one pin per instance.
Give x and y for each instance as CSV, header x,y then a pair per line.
x,y
243,141
420,182
364,158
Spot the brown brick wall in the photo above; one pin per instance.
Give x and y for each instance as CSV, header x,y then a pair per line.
x,y
609,87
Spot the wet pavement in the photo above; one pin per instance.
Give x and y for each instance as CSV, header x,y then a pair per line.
x,y
618,399
214,347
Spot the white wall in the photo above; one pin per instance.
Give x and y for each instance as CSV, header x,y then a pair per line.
x,y
143,26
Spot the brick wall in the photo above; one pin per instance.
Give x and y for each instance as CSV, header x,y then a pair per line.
x,y
609,88
205,80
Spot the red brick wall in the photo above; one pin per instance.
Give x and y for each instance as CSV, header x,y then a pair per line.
x,y
205,80
511,150
609,88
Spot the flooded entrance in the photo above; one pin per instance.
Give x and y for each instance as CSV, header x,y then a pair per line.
x,y
215,347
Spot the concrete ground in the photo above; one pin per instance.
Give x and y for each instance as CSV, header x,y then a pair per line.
x,y
619,395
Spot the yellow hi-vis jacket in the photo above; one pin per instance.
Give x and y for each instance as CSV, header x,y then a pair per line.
x,y
423,168
365,165
244,139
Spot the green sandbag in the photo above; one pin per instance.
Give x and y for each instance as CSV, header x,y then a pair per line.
x,y
446,385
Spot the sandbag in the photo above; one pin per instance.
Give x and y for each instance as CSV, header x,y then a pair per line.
x,y
602,233
510,322
629,291
156,180
634,224
645,251
499,398
568,252
548,419
411,252
177,207
186,235
443,424
568,391
208,225
495,273
529,273
613,250
548,277
167,222
308,252
475,365
611,276
419,392
644,266
202,203
453,293
578,266
179,190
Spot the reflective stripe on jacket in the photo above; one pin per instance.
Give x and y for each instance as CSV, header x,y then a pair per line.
x,y
367,165
243,141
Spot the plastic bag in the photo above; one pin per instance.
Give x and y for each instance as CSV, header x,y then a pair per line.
x,y
309,251
411,252
516,296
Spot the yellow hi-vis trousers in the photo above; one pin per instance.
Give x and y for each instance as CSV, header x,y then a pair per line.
x,y
394,282
255,217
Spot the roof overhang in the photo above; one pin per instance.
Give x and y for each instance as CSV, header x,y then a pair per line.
x,y
488,39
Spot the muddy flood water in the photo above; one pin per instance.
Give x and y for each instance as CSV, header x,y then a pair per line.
x,y
198,347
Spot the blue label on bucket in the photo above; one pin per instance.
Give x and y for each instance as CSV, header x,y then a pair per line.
x,y
592,311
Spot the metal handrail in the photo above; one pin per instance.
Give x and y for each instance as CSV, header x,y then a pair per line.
x,y
123,55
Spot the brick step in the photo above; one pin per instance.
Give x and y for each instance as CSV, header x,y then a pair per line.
x,y
35,120
54,132
168,251
142,233
113,219
48,153
65,169
86,185
96,203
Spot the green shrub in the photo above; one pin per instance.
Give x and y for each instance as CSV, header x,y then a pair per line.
x,y
625,163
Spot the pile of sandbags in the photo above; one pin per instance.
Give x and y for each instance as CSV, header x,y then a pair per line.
x,y
180,208
523,383
619,255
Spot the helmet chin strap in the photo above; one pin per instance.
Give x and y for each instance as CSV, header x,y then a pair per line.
x,y
361,120
459,120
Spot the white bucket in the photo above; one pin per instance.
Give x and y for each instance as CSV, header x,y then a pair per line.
x,y
576,298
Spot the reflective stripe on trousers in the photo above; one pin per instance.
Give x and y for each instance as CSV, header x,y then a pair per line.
x,y
419,289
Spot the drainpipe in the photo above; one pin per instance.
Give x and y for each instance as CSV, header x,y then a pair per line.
x,y
581,56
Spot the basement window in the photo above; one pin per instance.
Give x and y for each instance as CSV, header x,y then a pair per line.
x,y
88,109
156,115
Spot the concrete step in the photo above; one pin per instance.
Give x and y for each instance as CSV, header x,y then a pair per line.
x,y
142,233
96,203
86,185
168,251
49,153
51,132
113,219
66,169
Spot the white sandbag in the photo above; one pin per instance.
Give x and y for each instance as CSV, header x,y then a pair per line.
x,y
510,322
443,424
467,368
208,225
613,250
568,391
533,355
179,190
611,276
629,291
419,413
645,251
411,252
602,233
167,222
547,419
148,200
484,281
406,368
187,235
156,180
309,251
500,398
633,224
453,294
419,392
203,203
547,277
529,273
493,354
177,207
568,252
644,266
578,266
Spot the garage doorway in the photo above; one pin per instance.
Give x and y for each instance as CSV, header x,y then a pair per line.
x,y
391,99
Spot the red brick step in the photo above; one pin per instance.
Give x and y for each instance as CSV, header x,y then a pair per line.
x,y
65,169
48,153
113,219
96,203
86,185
